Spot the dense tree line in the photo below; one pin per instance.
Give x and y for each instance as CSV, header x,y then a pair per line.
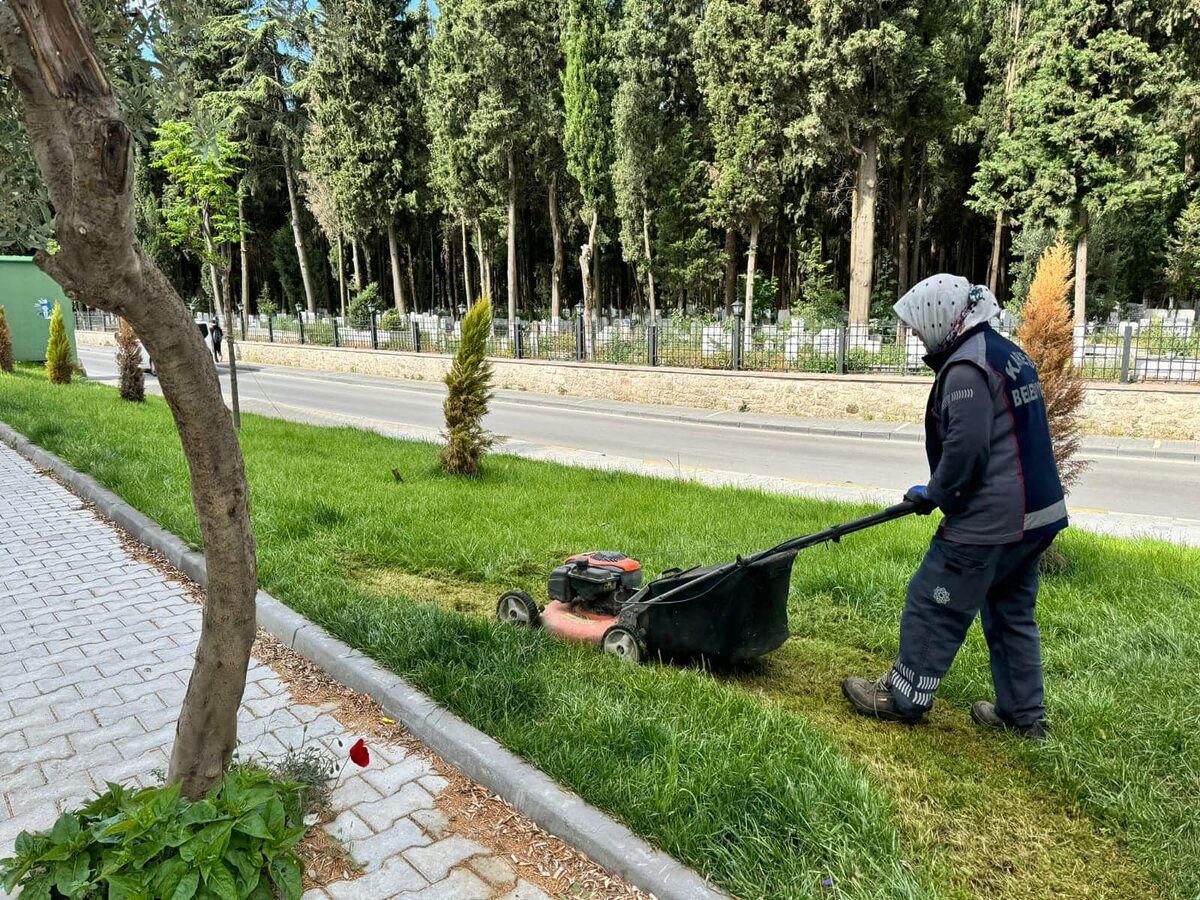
x,y
654,155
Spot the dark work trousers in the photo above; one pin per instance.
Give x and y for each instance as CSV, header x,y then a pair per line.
x,y
954,583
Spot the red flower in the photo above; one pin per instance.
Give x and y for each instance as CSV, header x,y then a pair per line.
x,y
360,755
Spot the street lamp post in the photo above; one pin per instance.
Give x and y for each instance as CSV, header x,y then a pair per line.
x,y
300,320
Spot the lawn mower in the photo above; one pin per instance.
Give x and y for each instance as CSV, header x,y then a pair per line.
x,y
724,614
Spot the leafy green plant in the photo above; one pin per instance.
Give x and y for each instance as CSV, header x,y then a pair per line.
x,y
59,364
236,843
391,320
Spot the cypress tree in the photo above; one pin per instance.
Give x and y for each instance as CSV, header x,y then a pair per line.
x,y
59,364
470,383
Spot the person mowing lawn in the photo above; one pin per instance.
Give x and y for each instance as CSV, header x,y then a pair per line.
x,y
995,480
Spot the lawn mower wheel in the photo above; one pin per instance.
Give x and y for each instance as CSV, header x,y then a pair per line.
x,y
625,643
518,608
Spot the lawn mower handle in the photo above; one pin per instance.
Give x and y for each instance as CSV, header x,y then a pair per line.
x,y
837,532
834,534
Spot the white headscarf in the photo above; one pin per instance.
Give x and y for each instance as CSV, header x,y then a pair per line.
x,y
942,307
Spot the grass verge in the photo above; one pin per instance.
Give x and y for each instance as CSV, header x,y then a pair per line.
x,y
761,781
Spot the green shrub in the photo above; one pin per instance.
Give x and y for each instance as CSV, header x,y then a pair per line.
x,y
391,321
6,350
59,364
236,843
470,383
364,302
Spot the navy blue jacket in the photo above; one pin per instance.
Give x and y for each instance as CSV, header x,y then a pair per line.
x,y
988,442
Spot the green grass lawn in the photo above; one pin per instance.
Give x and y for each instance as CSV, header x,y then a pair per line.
x,y
762,780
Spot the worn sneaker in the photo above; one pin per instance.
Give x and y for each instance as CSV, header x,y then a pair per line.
x,y
984,713
874,698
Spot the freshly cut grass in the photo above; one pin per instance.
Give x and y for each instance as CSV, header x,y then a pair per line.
x,y
756,779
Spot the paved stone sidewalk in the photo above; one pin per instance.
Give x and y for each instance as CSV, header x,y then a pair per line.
x,y
95,651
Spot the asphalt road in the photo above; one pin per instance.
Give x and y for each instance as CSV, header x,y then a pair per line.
x,y
1136,486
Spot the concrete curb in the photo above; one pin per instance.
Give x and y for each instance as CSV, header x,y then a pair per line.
x,y
533,793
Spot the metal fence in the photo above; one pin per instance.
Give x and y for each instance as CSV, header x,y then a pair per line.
x,y
1154,349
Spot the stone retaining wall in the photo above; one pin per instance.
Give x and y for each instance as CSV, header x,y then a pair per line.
x,y
1164,411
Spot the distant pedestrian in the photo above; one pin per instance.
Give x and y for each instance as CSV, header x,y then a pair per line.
x,y
217,334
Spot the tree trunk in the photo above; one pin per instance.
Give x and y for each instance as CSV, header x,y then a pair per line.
x,y
485,280
902,283
341,277
244,255
730,269
394,257
594,255
587,273
302,254
223,310
356,275
466,265
235,400
557,269
412,281
511,272
914,268
863,232
82,148
751,265
650,300
1081,264
994,261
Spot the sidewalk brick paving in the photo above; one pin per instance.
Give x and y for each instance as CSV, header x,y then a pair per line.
x,y
95,652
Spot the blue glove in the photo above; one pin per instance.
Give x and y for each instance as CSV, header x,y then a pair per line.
x,y
918,495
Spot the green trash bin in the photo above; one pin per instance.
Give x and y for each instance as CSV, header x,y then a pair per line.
x,y
28,295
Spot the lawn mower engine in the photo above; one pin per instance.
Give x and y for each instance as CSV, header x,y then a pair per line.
x,y
597,583
586,595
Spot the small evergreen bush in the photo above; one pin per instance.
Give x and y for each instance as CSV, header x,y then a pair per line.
x,y
469,381
6,350
129,364
59,364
